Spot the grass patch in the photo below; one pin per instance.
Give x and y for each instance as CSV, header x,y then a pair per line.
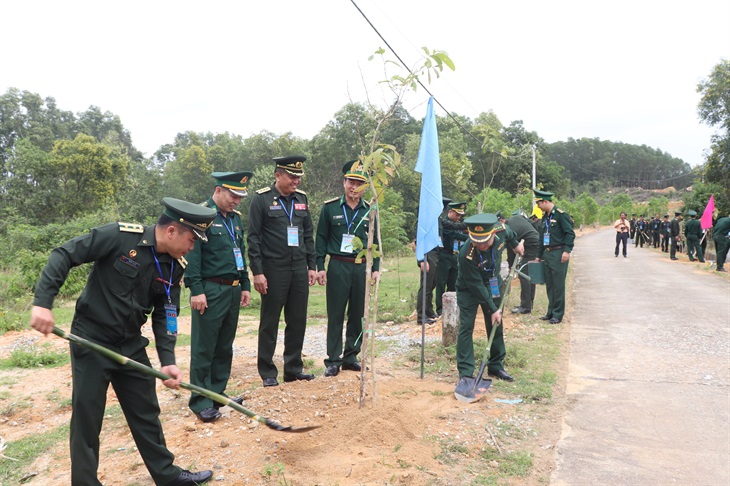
x,y
274,472
451,452
26,451
437,358
517,463
33,356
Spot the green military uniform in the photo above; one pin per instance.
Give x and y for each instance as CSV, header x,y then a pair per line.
x,y
674,234
284,256
556,236
473,290
693,233
432,257
213,271
524,230
453,234
721,235
346,285
128,281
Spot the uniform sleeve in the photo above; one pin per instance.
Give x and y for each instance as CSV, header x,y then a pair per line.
x,y
165,343
567,227
322,235
541,238
255,222
193,281
96,244
309,241
243,274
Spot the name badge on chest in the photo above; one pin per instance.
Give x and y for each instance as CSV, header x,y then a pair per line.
x,y
171,319
239,259
494,286
292,236
346,246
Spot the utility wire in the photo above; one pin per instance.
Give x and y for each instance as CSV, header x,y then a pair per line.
x,y
418,80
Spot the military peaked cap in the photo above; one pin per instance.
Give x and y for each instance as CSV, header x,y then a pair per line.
x,y
481,227
293,164
236,182
193,216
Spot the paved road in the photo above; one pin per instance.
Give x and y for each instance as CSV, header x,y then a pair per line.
x,y
648,389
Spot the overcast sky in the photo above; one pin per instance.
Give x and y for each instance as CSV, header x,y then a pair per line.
x,y
620,70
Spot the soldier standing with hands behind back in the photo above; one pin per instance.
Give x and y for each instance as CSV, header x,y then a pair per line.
x,y
219,286
342,219
281,250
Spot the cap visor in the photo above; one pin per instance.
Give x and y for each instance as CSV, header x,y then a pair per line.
x,y
298,174
480,239
239,192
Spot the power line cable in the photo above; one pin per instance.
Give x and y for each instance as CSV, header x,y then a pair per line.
x,y
461,127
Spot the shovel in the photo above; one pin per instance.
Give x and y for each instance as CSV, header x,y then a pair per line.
x,y
223,400
472,389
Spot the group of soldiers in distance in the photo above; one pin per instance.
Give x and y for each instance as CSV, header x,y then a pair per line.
x,y
667,234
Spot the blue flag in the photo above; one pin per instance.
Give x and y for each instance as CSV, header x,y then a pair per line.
x,y
431,202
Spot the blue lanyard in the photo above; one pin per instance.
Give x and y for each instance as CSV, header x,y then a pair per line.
x,y
547,223
230,230
290,215
481,259
354,216
166,284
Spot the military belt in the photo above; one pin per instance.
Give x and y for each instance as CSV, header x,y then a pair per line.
x,y
356,261
556,247
223,281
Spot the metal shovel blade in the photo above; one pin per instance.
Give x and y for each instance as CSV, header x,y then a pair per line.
x,y
469,390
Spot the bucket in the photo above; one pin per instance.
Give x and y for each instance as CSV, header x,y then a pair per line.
x,y
536,272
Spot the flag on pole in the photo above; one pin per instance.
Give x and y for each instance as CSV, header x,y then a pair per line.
x,y
706,220
431,203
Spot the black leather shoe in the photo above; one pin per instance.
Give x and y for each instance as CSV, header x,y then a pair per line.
x,y
352,366
554,321
521,310
209,414
433,316
299,376
187,478
428,321
270,382
332,371
674,258
502,375
238,400
545,318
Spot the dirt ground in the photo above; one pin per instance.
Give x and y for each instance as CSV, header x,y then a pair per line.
x,y
409,431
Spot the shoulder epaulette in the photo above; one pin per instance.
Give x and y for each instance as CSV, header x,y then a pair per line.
x,y
237,212
559,210
131,227
204,204
263,190
332,200
470,253
300,191
499,227
183,262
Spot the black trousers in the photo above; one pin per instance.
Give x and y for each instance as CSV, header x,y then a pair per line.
x,y
621,238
